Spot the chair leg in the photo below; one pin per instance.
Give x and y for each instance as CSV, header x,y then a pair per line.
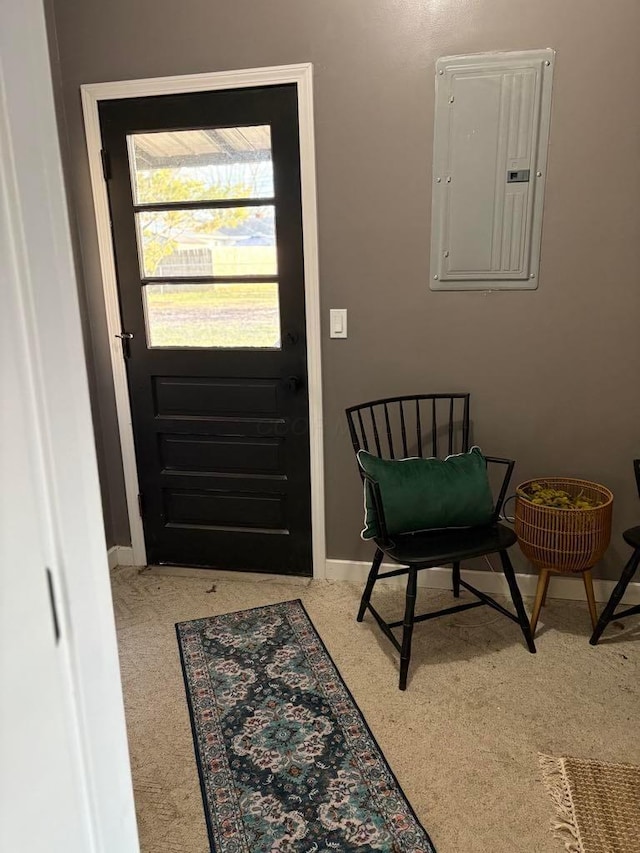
x,y
373,576
516,597
616,596
407,626
591,599
541,594
456,580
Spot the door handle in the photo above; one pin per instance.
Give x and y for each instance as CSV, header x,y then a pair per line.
x,y
125,337
293,383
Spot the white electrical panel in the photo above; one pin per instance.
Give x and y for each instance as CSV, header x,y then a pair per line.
x,y
489,166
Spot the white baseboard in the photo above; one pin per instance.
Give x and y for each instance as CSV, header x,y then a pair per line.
x,y
492,583
120,555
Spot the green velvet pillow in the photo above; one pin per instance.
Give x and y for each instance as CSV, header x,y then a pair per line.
x,y
427,494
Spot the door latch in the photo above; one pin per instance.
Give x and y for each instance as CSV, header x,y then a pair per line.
x,y
125,337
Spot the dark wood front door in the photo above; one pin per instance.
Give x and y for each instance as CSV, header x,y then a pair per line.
x,y
204,191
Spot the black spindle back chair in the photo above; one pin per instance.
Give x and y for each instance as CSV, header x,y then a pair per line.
x,y
632,537
424,425
428,425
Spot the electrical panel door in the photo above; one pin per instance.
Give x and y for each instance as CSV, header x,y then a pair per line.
x,y
490,154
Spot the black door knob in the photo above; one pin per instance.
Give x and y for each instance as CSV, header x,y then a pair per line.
x,y
293,383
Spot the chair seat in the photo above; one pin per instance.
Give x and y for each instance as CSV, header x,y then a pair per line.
x,y
442,547
632,537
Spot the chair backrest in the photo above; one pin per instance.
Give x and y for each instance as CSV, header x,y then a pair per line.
x,y
636,471
415,425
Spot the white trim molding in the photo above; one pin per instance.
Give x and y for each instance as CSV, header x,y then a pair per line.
x,y
493,583
302,76
120,555
355,571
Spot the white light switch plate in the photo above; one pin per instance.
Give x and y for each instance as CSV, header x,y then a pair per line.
x,y
338,322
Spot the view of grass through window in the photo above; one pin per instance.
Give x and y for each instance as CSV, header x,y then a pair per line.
x,y
213,315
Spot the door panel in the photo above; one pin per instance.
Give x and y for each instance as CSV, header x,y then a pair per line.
x,y
231,509
233,454
197,397
204,191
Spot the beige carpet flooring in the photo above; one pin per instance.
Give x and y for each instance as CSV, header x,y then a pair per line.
x,y
464,738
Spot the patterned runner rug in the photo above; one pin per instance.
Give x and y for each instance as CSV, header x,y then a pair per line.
x,y
287,763
597,804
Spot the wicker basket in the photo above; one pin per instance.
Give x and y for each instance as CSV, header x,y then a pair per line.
x,y
564,540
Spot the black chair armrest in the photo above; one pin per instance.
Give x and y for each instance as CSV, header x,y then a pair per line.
x,y
509,465
636,471
377,502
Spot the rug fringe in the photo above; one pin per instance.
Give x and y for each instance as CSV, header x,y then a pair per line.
x,y
565,827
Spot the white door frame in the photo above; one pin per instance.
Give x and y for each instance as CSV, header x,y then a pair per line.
x,y
302,76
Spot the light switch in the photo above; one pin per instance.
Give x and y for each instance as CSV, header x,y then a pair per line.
x,y
337,322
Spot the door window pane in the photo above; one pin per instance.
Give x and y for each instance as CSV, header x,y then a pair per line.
x,y
238,315
201,165
229,241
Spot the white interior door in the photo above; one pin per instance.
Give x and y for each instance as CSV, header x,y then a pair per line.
x,y
41,779
65,782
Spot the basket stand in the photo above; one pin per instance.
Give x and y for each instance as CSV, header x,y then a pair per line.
x,y
563,541
541,595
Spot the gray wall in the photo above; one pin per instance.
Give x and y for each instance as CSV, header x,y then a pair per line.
x,y
97,399
553,372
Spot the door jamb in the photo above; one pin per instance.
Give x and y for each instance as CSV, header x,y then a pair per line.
x,y
302,75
